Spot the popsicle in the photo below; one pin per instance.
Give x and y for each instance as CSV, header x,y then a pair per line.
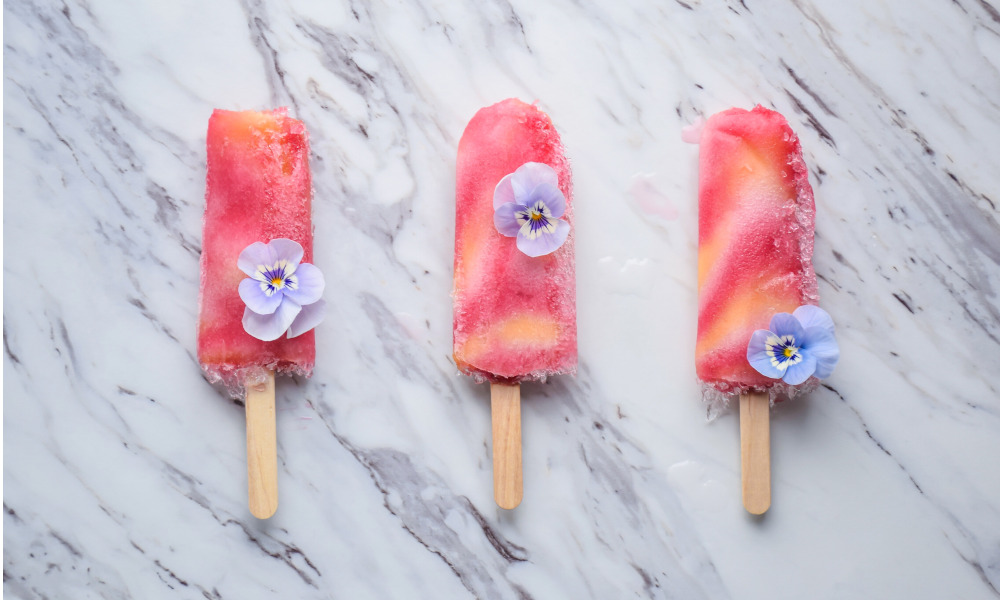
x,y
755,244
515,284
256,249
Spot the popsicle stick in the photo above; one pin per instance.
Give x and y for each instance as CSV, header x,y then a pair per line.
x,y
262,448
505,401
755,450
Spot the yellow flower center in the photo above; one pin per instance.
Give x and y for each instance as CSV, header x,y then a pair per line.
x,y
536,216
788,352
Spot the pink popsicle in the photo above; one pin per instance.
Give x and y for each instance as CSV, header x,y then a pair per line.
x,y
258,189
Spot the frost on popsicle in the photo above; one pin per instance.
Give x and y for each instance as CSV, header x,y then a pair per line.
x,y
795,346
527,205
281,293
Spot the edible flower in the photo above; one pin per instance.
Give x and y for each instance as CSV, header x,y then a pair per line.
x,y
796,346
281,293
527,205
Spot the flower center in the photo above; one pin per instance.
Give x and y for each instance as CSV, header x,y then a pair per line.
x,y
536,216
276,277
782,351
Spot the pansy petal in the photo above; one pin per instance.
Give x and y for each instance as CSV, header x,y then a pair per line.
x,y
758,357
284,268
530,175
544,243
551,196
800,371
504,192
824,368
813,316
286,249
256,300
310,316
270,327
310,285
785,324
821,344
505,219
255,255
522,215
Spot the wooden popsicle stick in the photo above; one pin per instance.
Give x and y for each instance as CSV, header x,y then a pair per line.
x,y
505,400
755,451
262,448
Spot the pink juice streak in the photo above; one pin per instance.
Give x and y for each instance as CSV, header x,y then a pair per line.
x,y
258,189
756,218
514,316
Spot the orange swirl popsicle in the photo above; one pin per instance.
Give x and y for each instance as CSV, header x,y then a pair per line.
x,y
755,243
514,314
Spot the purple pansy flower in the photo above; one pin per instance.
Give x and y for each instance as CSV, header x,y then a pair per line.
x,y
796,346
282,294
527,205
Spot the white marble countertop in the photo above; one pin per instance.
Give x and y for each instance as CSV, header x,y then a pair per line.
x,y
124,469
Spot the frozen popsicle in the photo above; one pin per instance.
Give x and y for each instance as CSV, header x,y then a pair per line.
x,y
755,244
515,284
259,290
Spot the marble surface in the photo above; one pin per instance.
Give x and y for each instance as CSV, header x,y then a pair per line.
x,y
124,469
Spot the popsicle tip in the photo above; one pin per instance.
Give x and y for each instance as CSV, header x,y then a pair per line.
x,y
757,505
509,501
264,510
